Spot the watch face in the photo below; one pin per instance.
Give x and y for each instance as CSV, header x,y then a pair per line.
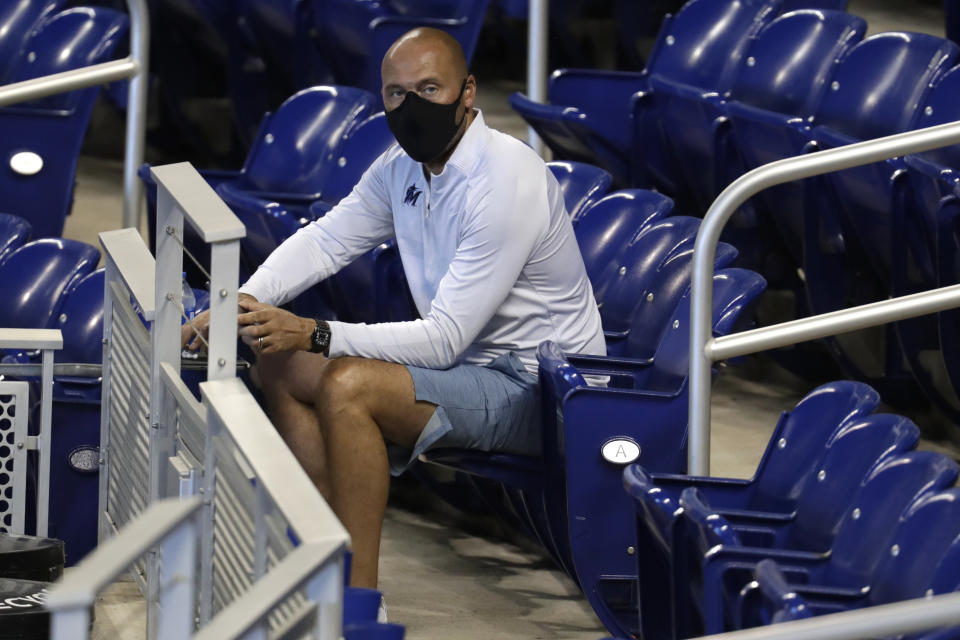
x,y
320,339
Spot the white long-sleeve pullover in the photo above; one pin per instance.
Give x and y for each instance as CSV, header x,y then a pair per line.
x,y
487,248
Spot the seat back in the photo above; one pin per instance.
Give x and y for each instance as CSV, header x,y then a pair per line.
x,y
621,284
774,76
292,153
929,533
856,448
14,232
356,152
735,291
942,106
66,41
81,320
877,88
581,184
605,229
17,20
653,303
801,440
34,279
869,525
704,42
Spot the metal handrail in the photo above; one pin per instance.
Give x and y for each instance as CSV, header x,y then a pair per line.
x,y
887,620
704,349
171,524
134,67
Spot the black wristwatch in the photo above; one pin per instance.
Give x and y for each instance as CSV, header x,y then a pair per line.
x,y
320,340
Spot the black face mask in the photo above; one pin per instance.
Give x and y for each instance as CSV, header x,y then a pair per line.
x,y
423,128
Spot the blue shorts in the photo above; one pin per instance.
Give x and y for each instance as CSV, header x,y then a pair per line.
x,y
492,407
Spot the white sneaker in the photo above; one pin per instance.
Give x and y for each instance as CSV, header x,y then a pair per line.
x,y
382,612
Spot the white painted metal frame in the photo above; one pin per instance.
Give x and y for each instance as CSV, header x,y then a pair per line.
x,y
318,563
19,406
171,525
48,341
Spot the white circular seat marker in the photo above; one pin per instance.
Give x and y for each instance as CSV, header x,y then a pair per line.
x,y
26,163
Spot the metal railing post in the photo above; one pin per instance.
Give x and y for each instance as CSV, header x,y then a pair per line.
x,y
537,37
703,349
136,112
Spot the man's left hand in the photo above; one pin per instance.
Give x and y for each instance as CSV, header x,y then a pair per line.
x,y
268,329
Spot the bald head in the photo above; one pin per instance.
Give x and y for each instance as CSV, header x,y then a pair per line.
x,y
429,42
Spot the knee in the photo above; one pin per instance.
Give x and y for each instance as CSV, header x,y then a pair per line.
x,y
344,386
273,371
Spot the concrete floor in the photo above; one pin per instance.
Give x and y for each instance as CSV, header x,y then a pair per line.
x,y
445,580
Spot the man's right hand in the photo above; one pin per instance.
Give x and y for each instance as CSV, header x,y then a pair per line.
x,y
188,336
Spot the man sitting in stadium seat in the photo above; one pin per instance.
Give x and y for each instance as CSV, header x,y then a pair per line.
x,y
493,266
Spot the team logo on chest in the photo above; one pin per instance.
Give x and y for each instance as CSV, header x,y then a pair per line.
x,y
412,195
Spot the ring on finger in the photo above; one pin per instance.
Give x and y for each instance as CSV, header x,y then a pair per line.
x,y
260,343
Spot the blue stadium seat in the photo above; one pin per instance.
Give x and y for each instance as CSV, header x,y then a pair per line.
x,y
581,184
770,74
35,278
287,164
41,139
17,20
355,33
928,250
605,229
356,152
926,542
646,281
848,217
589,114
853,451
797,444
81,320
862,541
14,232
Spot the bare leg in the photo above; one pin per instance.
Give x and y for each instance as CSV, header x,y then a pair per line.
x,y
334,415
362,402
289,381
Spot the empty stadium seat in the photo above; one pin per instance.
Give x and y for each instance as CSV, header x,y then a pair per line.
x,y
922,543
849,239
35,278
863,538
927,251
14,232
17,20
795,447
604,229
595,116
41,139
81,320
643,284
287,164
355,34
581,184
770,75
